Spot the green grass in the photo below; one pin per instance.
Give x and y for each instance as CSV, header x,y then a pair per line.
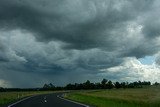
x,y
141,97
8,97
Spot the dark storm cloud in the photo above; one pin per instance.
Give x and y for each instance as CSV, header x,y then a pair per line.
x,y
3,59
144,48
85,25
152,22
66,38
152,28
15,15
3,56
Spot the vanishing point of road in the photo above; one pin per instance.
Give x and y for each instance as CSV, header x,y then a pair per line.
x,y
48,100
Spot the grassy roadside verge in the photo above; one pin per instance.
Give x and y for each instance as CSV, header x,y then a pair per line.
x,y
147,97
9,97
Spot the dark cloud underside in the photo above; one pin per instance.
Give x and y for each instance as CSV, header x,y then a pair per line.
x,y
69,37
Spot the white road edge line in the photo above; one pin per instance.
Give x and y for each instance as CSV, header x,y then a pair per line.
x,y
19,101
72,101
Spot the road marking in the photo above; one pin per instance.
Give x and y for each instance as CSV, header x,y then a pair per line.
x,y
72,101
45,97
45,101
19,101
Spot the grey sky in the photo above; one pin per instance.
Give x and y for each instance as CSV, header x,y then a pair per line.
x,y
64,41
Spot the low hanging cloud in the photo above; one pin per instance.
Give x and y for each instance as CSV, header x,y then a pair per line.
x,y
56,40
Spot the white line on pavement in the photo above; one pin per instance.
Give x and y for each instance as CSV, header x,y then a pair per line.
x,y
72,101
19,101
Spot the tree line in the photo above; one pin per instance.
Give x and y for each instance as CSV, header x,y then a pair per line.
x,y
104,84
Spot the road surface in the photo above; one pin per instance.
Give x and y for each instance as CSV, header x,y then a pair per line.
x,y
48,100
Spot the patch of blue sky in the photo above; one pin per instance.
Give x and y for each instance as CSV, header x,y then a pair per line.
x,y
147,60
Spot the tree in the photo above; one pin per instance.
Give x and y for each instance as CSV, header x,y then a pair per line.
x,y
45,86
49,86
156,83
87,85
98,85
117,85
70,87
110,85
2,89
103,83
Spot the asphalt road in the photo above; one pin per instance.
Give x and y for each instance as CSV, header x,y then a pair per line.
x,y
49,100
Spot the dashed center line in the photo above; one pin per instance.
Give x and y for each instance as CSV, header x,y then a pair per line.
x,y
45,101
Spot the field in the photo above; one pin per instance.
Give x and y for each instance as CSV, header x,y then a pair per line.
x,y
140,97
8,97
